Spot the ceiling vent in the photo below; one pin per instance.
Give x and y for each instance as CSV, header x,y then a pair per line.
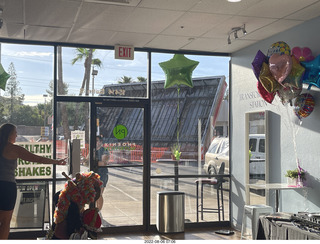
x,y
116,2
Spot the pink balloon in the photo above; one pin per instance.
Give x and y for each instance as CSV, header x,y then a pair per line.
x,y
280,66
307,54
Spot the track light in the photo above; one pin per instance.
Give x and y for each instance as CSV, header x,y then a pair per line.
x,y
244,30
235,30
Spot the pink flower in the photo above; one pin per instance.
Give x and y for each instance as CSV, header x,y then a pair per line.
x,y
302,54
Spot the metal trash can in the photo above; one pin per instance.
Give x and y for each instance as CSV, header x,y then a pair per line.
x,y
170,212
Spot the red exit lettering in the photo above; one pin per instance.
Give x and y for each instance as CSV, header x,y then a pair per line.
x,y
124,52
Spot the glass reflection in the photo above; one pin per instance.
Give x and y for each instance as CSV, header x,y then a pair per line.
x,y
257,157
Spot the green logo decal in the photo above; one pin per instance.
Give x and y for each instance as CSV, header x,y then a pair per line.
x,y
120,132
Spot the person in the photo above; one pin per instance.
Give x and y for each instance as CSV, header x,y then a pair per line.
x,y
102,155
9,153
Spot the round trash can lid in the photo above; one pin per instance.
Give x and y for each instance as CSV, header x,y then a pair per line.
x,y
170,193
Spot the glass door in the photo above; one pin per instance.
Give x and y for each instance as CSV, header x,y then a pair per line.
x,y
117,156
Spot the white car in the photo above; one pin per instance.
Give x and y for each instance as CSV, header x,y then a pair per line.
x,y
257,155
217,153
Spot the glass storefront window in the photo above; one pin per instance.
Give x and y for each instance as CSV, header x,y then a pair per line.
x,y
104,75
120,139
72,124
123,197
183,115
27,103
188,186
177,117
184,119
32,206
121,131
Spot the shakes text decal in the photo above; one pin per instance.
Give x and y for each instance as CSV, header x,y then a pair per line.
x,y
31,170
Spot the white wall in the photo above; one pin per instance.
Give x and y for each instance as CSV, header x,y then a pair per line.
x,y
286,131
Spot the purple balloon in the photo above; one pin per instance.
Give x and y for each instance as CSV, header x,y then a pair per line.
x,y
257,63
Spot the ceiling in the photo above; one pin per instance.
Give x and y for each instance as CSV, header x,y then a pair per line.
x,y
197,25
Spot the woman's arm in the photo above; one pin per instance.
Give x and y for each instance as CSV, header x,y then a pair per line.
x,y
28,156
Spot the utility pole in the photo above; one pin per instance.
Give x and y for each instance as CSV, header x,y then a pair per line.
x,y
94,73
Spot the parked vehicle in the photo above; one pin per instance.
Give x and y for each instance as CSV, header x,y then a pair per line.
x,y
217,153
257,155
257,146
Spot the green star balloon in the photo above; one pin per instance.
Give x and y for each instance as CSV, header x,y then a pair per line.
x,y
4,76
178,71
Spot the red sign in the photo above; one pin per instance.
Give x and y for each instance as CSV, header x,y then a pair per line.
x,y
124,52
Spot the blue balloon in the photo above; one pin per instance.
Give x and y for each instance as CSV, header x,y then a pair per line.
x,y
312,73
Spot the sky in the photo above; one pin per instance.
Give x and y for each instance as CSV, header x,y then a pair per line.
x,y
34,68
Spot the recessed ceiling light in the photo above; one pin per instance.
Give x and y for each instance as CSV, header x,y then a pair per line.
x,y
234,1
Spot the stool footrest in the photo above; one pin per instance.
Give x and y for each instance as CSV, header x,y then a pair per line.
x,y
208,181
211,210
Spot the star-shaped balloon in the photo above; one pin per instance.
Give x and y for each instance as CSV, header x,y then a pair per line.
x,y
178,71
259,59
312,73
4,76
294,78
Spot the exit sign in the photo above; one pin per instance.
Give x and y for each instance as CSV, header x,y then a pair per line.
x,y
124,52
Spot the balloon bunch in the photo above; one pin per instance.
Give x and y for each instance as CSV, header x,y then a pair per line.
x,y
282,71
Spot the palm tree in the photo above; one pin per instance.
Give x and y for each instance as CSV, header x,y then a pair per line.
x,y
87,55
125,79
62,91
96,62
141,79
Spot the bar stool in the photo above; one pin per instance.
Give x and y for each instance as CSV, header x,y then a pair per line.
x,y
253,212
217,183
